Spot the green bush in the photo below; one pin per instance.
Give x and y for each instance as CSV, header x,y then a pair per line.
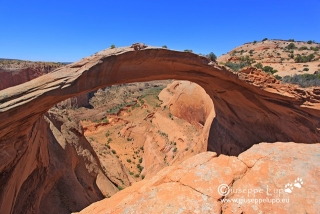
x,y
278,77
303,48
306,69
302,59
269,69
237,66
315,48
211,56
309,42
140,167
304,80
258,65
113,151
164,46
107,134
291,46
265,39
112,46
128,160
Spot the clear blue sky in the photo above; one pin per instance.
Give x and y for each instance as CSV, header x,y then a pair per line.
x,y
69,30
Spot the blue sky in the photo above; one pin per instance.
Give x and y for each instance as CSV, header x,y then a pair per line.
x,y
69,30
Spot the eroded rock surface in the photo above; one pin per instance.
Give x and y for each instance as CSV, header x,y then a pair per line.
x,y
192,187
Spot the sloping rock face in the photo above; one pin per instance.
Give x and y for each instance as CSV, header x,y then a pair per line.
x,y
255,182
245,114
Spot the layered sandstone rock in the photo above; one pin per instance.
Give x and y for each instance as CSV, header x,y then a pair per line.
x,y
201,183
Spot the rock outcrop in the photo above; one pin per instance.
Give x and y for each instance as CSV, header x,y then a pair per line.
x,y
245,115
268,178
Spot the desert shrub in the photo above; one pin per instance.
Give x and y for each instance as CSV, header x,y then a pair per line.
x,y
142,176
140,160
128,160
188,50
175,149
136,175
140,167
291,40
113,151
303,48
265,39
306,69
236,66
315,48
211,56
131,173
107,134
112,46
247,59
304,80
164,46
309,42
269,69
291,55
109,140
278,77
254,42
302,59
258,65
291,46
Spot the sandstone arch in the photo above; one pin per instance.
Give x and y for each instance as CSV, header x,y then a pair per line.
x,y
246,114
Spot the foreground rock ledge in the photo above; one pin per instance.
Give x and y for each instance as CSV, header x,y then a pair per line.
x,y
192,186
